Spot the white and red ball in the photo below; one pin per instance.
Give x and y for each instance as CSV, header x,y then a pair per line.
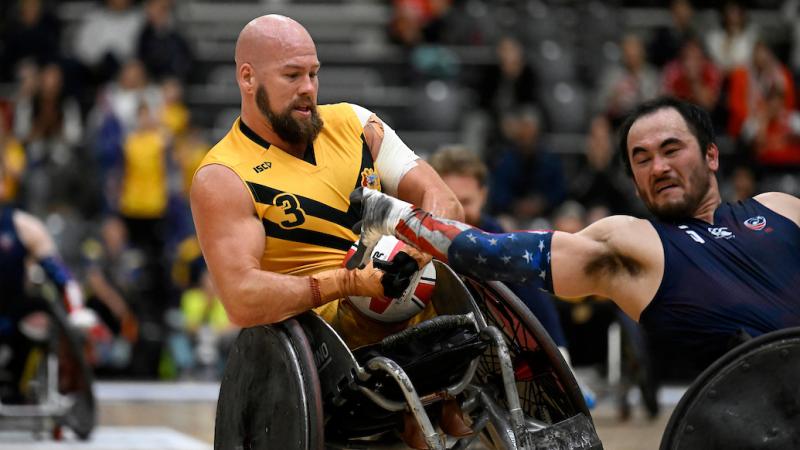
x,y
414,299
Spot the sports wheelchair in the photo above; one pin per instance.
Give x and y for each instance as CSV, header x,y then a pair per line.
x,y
749,398
297,385
54,388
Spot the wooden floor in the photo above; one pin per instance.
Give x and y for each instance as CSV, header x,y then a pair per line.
x,y
183,414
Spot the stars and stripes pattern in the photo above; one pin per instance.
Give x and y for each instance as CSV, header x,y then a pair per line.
x,y
519,257
432,235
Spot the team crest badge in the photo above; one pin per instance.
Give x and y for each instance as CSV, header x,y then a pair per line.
x,y
370,179
756,223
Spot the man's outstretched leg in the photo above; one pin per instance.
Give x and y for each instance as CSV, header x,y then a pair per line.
x,y
520,257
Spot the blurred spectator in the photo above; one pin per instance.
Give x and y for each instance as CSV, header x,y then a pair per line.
x,y
623,87
35,33
201,333
121,99
162,49
141,199
111,275
418,21
189,151
174,113
508,84
600,181
144,190
732,45
528,180
107,37
12,158
773,131
692,76
790,12
50,126
463,171
749,84
667,40
114,116
49,114
740,185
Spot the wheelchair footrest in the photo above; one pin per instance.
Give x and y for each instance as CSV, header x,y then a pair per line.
x,y
575,433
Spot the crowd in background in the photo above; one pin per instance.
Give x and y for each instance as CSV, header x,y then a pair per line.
x,y
99,142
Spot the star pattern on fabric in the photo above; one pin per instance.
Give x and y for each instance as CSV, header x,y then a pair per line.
x,y
527,256
512,257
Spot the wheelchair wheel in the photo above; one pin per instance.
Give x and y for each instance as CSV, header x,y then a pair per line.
x,y
547,388
269,396
746,399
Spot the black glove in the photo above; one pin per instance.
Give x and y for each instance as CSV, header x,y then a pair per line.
x,y
398,273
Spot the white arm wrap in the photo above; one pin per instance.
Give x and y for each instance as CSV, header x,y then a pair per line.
x,y
394,160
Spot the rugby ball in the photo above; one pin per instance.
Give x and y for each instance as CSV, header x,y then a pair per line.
x,y
414,299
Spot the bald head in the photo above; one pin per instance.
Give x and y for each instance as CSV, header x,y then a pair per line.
x,y
271,37
276,69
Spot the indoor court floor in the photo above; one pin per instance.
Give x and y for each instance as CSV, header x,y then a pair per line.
x,y
180,416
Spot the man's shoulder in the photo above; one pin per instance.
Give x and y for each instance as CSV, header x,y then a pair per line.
x,y
784,204
622,231
342,118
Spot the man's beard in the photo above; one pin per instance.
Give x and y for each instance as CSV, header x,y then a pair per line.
x,y
287,127
700,182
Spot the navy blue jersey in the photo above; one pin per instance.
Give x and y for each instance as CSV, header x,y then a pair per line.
x,y
12,256
739,275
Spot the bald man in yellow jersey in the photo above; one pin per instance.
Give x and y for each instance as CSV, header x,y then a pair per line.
x,y
271,200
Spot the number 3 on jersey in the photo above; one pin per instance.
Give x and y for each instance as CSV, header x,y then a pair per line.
x,y
295,216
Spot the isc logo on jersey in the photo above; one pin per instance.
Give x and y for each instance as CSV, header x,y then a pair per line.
x,y
414,299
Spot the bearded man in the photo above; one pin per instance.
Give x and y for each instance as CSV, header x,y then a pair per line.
x,y
270,201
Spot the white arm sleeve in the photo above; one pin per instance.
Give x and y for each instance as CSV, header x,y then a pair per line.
x,y
394,160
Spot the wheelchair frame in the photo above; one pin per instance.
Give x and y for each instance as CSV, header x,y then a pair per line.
x,y
520,358
63,382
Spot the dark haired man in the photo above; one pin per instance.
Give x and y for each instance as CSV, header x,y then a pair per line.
x,y
699,278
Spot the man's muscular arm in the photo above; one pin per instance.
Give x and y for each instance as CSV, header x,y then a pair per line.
x,y
423,186
618,257
420,185
232,239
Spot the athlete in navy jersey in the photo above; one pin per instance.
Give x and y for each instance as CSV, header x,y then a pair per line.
x,y
12,256
735,278
24,238
700,277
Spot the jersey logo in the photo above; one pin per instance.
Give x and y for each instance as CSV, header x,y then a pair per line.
x,y
692,234
262,167
756,223
370,179
721,232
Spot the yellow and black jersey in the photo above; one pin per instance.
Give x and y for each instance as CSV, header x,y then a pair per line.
x,y
303,203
